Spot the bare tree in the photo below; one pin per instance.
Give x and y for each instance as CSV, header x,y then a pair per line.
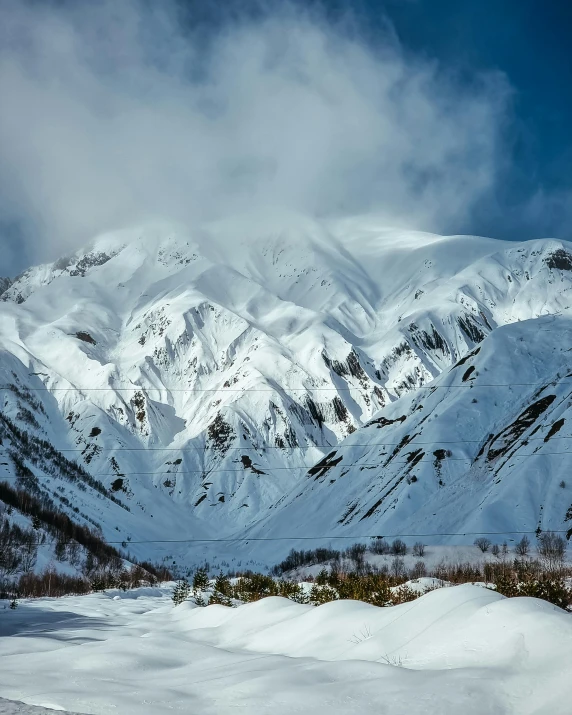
x,y
29,553
552,550
522,548
419,570
398,567
483,543
379,546
398,547
356,553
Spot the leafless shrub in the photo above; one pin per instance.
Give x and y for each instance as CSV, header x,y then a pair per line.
x,y
379,546
522,547
419,570
398,567
482,543
355,553
398,547
551,550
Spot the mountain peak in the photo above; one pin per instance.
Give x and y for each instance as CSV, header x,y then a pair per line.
x,y
205,371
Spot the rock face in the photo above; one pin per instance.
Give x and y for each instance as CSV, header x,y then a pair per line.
x,y
274,374
5,283
484,449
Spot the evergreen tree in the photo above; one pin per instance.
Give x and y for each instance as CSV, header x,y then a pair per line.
x,y
220,599
181,592
200,580
222,585
200,601
222,591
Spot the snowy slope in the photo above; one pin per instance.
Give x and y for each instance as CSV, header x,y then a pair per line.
x,y
198,375
461,649
485,448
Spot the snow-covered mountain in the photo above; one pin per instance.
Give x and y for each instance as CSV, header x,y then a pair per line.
x,y
485,448
196,377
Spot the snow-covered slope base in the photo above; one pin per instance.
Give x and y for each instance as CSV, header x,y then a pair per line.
x,y
456,650
197,376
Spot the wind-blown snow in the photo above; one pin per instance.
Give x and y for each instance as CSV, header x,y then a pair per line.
x,y
199,375
460,649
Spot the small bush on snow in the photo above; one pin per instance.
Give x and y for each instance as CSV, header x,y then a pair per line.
x,y
181,592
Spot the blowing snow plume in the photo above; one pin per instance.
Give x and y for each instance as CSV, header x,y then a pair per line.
x,y
119,113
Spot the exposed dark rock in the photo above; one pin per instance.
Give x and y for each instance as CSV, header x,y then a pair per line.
x,y
556,427
471,328
321,468
247,464
440,454
138,402
508,436
404,441
86,337
5,283
413,458
468,356
340,409
315,410
430,341
90,260
559,259
220,434
347,515
351,366
372,509
468,373
384,422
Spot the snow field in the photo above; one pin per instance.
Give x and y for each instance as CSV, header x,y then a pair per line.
x,y
460,649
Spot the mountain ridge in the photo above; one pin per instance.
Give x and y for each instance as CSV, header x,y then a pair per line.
x,y
200,374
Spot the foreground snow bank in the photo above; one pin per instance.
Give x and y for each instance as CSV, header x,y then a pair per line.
x,y
460,649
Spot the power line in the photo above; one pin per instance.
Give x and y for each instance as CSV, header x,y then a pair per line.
x,y
294,389
341,445
331,538
206,472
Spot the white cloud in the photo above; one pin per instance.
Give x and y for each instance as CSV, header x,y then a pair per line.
x,y
113,115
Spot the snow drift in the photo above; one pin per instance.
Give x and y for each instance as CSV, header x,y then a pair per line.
x,y
459,649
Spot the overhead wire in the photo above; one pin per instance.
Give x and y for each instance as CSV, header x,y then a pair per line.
x,y
309,446
128,542
206,472
140,388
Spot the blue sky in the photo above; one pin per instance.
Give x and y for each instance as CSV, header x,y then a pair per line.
x,y
529,41
445,115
